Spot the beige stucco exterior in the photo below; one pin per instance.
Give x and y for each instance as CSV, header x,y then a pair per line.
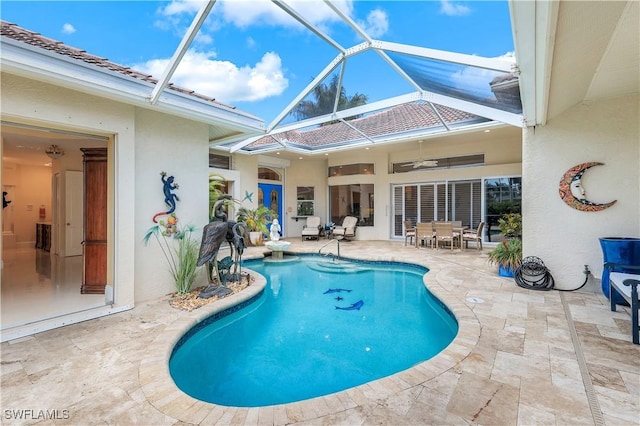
x,y
564,238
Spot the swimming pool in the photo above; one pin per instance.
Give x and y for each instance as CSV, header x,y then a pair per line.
x,y
318,328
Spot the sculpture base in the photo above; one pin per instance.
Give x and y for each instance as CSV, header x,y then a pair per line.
x,y
214,290
277,247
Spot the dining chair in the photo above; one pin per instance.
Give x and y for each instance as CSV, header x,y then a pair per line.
x,y
474,235
444,234
424,234
409,232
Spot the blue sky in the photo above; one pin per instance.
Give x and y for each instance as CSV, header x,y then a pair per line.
x,y
251,54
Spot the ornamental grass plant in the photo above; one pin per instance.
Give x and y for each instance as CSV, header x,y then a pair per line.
x,y
181,257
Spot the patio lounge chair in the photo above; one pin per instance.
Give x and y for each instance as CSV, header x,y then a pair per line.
x,y
347,229
311,229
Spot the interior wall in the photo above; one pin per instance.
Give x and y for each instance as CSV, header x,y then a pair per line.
x,y
566,239
32,192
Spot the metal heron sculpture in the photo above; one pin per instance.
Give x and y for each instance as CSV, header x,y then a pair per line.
x,y
213,235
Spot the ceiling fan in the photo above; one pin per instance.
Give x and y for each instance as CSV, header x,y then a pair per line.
x,y
421,163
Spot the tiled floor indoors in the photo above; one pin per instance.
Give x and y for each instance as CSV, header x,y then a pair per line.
x,y
518,359
37,285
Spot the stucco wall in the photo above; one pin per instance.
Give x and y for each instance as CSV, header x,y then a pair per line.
x,y
564,238
307,172
180,148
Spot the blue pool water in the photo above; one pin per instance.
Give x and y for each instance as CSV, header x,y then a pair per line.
x,y
297,341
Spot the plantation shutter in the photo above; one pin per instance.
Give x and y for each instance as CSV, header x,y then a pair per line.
x,y
476,203
441,202
398,208
427,205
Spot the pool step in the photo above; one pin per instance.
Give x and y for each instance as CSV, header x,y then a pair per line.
x,y
337,267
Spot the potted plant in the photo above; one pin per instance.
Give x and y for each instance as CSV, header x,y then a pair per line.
x,y
508,254
256,220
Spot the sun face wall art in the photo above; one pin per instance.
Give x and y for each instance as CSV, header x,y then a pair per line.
x,y
572,192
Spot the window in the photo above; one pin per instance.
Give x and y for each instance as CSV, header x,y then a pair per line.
x,y
425,202
219,161
267,173
502,195
352,200
352,169
305,201
438,163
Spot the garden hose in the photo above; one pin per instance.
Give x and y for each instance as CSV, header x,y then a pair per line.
x,y
533,275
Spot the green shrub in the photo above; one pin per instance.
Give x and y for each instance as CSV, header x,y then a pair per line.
x,y
511,225
507,254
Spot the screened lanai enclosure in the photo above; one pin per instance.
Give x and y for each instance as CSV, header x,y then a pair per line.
x,y
435,91
429,93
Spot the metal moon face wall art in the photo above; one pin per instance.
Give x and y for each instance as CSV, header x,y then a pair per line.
x,y
572,192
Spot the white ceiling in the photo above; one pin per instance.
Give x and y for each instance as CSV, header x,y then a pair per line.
x,y
570,52
27,145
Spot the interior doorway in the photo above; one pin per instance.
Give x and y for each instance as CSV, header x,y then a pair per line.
x,y
42,276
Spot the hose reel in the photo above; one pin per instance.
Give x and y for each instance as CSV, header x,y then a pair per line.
x,y
533,275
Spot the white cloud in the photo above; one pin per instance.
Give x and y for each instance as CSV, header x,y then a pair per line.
x,y
476,80
224,80
449,8
377,23
203,38
509,57
251,42
68,29
178,7
177,15
243,14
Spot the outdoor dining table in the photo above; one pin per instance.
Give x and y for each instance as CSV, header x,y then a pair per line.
x,y
422,235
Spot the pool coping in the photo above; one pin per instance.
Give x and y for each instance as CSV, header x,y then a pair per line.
x,y
163,394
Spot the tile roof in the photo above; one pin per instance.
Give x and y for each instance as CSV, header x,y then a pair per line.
x,y
402,118
23,35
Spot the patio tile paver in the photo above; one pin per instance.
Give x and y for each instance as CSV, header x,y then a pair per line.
x,y
513,361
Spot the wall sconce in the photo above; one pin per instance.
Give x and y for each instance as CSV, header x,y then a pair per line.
x,y
54,152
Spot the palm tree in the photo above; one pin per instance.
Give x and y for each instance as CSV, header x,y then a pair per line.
x,y
325,96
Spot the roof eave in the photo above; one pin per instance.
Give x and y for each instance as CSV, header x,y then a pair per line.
x,y
534,30
48,67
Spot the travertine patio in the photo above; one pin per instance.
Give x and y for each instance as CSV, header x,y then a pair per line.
x,y
518,359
